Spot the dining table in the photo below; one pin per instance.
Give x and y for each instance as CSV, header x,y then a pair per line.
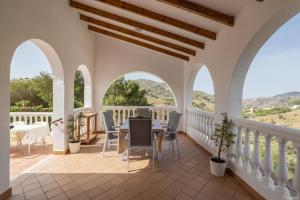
x,y
30,133
157,129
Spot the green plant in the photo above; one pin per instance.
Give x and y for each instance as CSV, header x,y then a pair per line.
x,y
73,123
223,137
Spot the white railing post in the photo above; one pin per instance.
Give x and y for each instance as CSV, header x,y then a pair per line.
x,y
256,157
268,164
239,148
246,165
296,182
282,171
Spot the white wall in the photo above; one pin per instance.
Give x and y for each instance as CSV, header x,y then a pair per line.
x,y
56,24
115,58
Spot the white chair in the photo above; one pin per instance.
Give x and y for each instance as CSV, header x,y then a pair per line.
x,y
111,133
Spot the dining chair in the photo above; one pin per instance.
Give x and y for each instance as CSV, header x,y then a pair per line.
x,y
171,131
143,112
140,136
111,133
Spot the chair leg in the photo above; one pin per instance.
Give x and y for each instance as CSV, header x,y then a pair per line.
x,y
173,149
104,146
153,157
177,144
128,158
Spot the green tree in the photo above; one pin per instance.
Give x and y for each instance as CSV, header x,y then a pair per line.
x,y
78,90
22,90
125,93
42,84
36,94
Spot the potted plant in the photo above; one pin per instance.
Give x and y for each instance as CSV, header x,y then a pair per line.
x,y
73,127
222,137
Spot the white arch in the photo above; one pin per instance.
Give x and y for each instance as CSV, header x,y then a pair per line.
x,y
87,85
191,82
248,54
58,88
119,76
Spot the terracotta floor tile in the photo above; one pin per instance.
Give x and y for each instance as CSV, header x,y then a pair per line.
x,y
87,175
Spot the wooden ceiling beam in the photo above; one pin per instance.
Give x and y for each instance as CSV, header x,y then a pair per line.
x,y
136,34
130,22
137,42
161,18
202,11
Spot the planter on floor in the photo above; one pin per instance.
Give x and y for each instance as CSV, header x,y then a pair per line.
x,y
217,166
74,147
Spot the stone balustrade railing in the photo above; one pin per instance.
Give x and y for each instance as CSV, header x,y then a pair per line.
x,y
199,126
258,148
121,113
30,117
255,149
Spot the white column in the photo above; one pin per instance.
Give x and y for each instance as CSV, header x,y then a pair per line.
x,y
268,163
246,165
296,182
256,157
282,171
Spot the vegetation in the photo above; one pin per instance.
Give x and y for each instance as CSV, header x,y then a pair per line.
x,y
125,93
223,137
72,126
203,101
158,94
36,94
78,90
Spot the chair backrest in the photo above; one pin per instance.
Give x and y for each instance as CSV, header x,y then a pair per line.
x,y
108,120
140,132
143,112
170,118
174,119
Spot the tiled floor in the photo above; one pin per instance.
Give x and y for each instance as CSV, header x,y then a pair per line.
x,y
89,176
20,160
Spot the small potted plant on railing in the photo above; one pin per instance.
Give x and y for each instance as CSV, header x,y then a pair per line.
x,y
73,127
223,137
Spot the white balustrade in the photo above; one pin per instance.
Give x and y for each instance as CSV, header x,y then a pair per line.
x,y
199,126
30,117
121,113
247,164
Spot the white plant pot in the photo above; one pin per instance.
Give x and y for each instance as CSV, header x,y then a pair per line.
x,y
74,147
217,169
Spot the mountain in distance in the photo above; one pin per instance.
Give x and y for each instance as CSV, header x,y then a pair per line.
x,y
160,94
285,99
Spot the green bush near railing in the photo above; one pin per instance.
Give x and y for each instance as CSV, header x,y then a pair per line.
x,y
30,109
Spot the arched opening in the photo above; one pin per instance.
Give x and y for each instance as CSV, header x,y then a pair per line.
x,y
266,79
82,88
203,91
139,89
271,91
37,98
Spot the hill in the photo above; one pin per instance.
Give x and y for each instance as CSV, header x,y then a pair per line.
x,y
203,101
285,99
158,94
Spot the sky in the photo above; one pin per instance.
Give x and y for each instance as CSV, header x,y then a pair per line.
x,y
274,70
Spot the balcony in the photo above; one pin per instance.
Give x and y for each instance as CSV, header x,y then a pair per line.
x,y
172,40
89,176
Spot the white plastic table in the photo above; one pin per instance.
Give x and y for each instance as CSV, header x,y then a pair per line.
x,y
31,133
